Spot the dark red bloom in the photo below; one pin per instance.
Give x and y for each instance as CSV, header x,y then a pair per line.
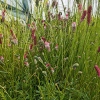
x,y
89,14
30,46
98,49
88,19
11,31
43,21
89,9
97,70
3,15
33,36
83,15
1,36
26,55
44,26
43,38
12,34
48,65
60,16
13,37
34,39
47,45
0,41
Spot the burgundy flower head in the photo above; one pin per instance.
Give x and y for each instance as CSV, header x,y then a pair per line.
x,y
31,46
97,70
3,15
83,15
33,36
98,49
1,36
89,9
43,38
0,41
89,14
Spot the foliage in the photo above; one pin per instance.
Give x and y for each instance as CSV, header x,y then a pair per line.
x,y
59,65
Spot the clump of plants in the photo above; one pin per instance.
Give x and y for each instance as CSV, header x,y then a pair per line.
x,y
52,59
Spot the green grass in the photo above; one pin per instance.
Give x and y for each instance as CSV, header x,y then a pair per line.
x,y
74,76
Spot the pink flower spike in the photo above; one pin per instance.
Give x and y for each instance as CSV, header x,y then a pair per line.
x,y
97,70
73,25
48,65
1,58
26,64
14,41
67,16
47,45
33,36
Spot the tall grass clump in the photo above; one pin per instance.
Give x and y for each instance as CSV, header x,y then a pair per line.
x,y
53,59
